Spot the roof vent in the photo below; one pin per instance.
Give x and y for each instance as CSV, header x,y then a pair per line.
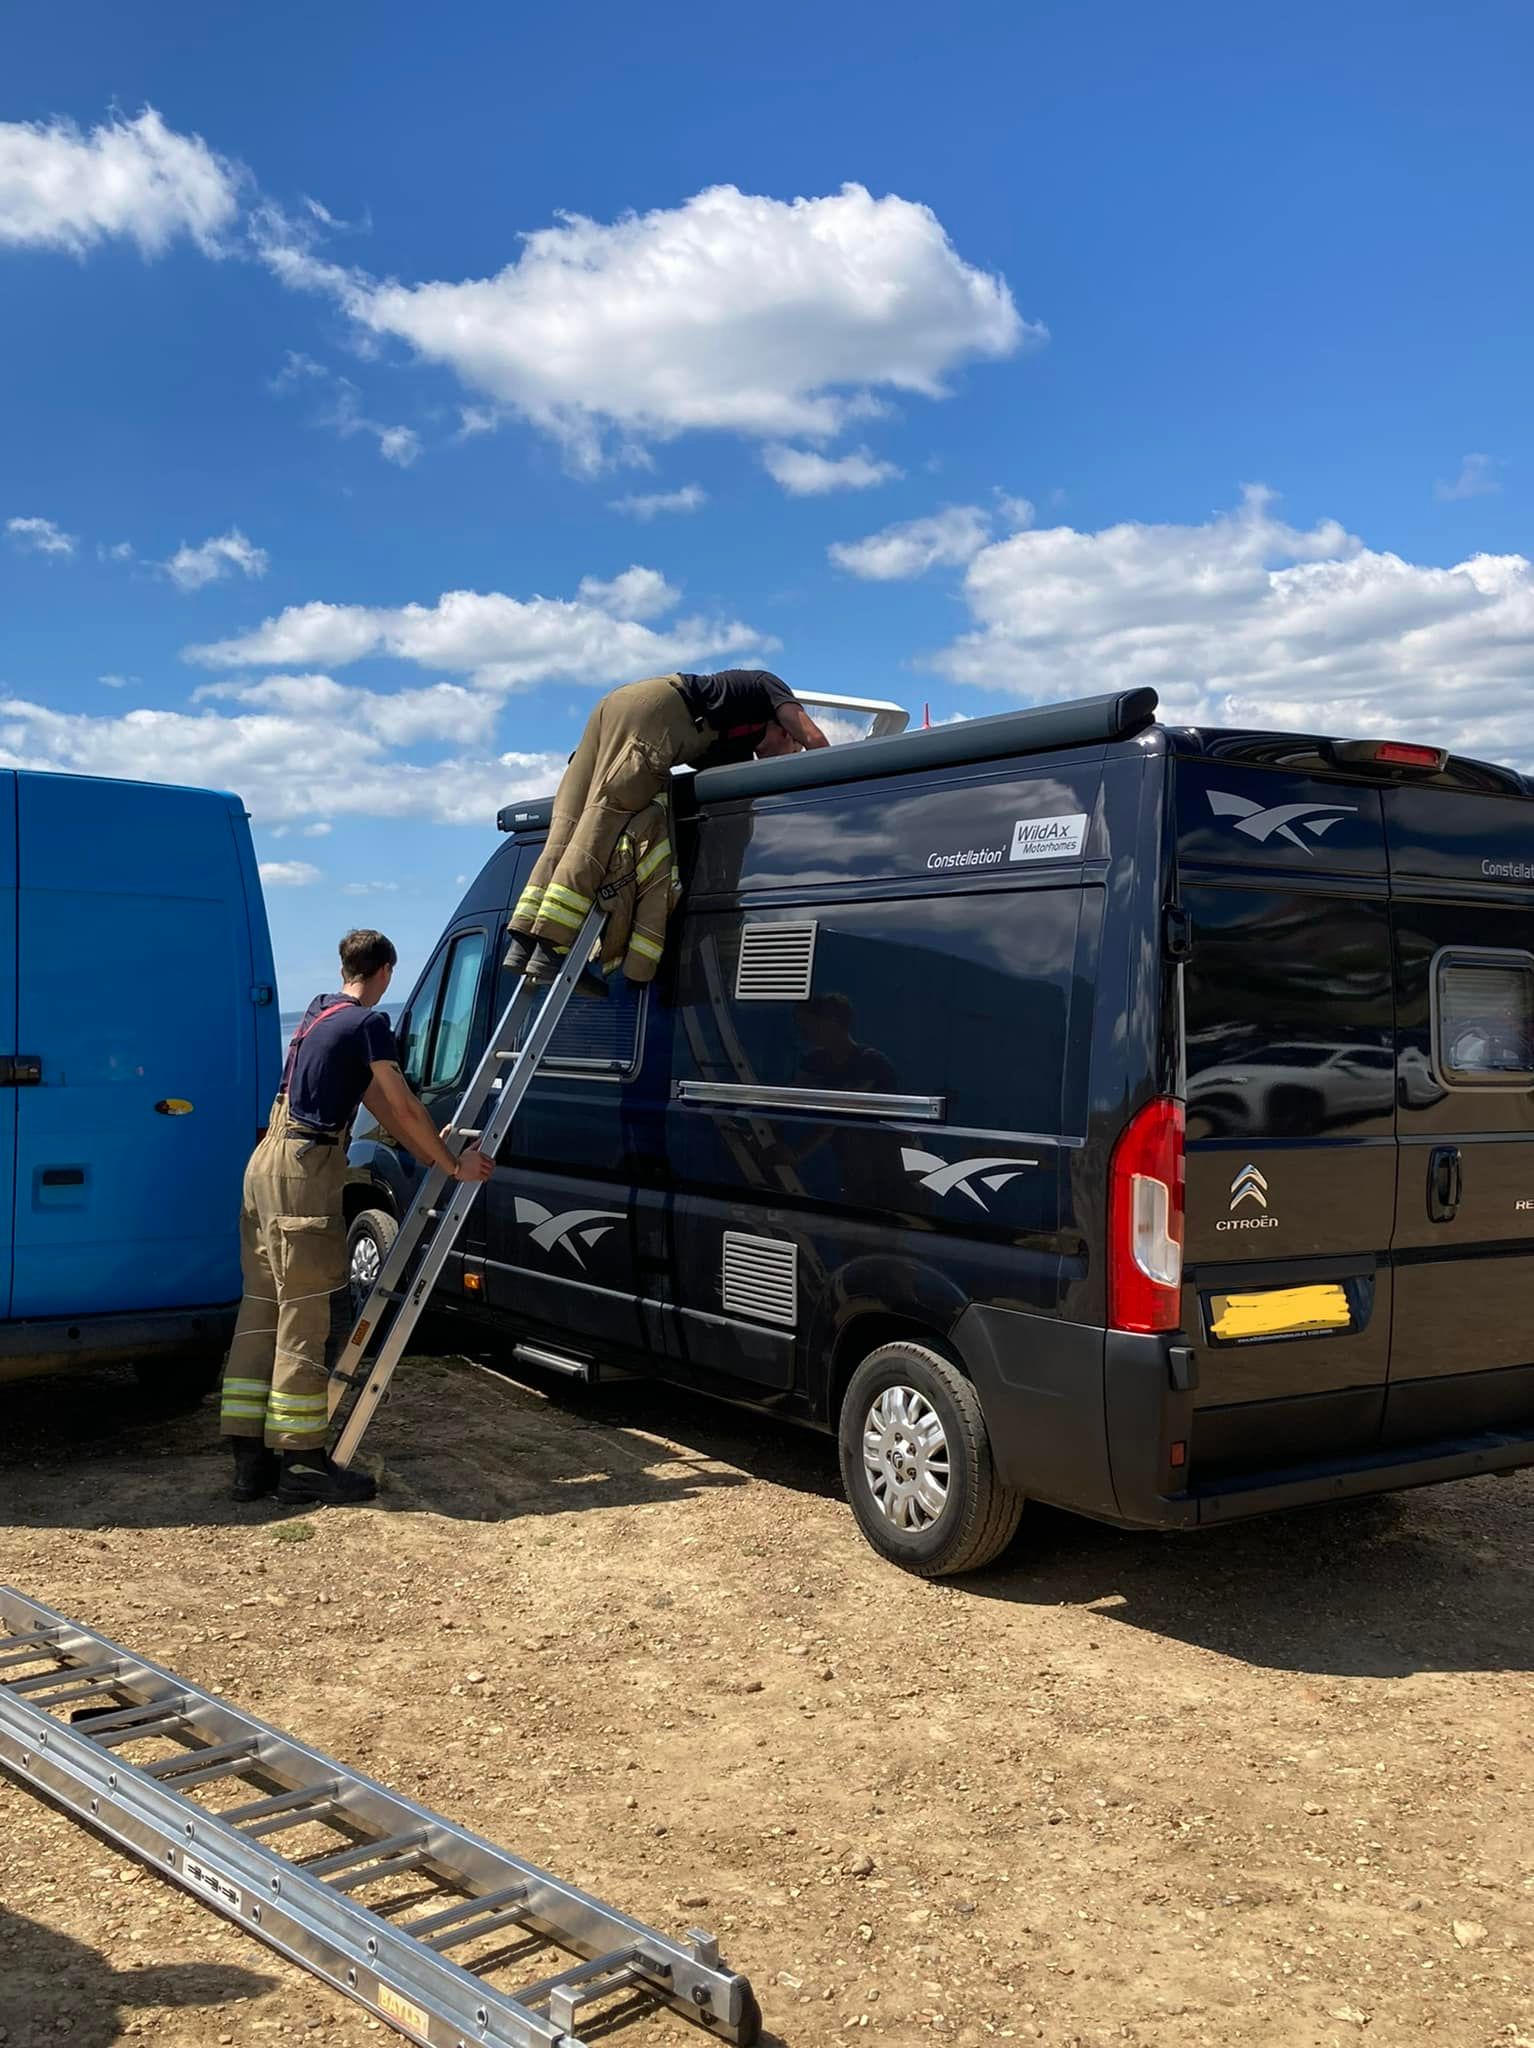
x,y
776,963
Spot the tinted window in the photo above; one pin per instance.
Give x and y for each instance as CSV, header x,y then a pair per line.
x,y
1484,1019
451,1045
1289,1013
415,1025
599,1037
964,997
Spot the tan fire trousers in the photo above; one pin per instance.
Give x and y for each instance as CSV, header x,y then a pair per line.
x,y
293,1256
633,739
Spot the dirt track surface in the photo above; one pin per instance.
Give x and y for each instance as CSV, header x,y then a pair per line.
x,y
1272,1785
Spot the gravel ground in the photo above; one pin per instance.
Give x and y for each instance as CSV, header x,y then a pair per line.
x,y
1271,1785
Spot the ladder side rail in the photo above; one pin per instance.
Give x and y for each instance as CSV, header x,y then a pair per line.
x,y
435,1253
429,1193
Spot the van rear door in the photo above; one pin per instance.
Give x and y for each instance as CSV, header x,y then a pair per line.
x,y
135,974
8,1046
1289,1042
1462,912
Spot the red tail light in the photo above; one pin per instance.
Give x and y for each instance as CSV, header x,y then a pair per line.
x,y
1145,1221
1391,754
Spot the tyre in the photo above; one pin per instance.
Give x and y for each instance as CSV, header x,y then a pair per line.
x,y
173,1384
916,1463
368,1244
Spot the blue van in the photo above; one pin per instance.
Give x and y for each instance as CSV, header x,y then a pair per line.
x,y
139,1054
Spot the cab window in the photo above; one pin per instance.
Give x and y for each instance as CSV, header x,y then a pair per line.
x,y
455,1018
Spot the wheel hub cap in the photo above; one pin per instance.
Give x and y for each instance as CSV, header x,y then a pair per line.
x,y
364,1272
906,1458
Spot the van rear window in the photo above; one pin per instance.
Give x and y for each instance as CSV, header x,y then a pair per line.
x,y
1483,1014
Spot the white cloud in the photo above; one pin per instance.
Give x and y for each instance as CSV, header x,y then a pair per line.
x,y
502,643
41,536
916,545
344,414
191,568
369,888
730,312
284,764
118,551
804,474
61,188
318,830
1248,621
287,874
646,505
115,682
402,718
1476,479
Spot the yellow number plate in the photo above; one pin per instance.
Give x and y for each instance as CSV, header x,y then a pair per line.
x,y
1280,1312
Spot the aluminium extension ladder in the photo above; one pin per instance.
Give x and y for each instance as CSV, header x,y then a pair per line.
x,y
430,1229
209,1807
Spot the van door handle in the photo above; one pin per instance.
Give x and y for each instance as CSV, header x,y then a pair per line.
x,y
1445,1183
21,1070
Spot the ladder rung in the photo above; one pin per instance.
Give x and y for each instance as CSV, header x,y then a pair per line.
x,y
84,1692
468,1136
63,1674
201,1766
134,1722
374,1873
279,1803
463,1922
366,1852
622,1966
26,1644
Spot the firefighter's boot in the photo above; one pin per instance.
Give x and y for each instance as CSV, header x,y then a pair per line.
x,y
544,964
309,1479
255,1468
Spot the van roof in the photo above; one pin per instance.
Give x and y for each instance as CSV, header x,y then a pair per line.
x,y
1042,728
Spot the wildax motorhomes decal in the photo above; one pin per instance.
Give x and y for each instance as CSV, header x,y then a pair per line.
x,y
940,1177
1249,1185
1278,820
1057,838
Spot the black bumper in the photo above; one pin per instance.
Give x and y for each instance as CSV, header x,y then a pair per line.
x,y
1104,1423
52,1346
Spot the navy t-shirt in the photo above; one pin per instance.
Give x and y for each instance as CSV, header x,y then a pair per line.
x,y
739,703
332,1061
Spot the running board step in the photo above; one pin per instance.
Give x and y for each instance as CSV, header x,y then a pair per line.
x,y
264,1786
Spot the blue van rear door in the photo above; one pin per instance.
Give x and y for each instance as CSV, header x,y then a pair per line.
x,y
134,976
8,1046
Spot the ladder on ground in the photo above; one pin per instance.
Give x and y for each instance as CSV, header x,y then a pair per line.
x,y
430,1230
284,1842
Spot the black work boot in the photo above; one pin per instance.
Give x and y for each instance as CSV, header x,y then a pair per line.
x,y
309,1479
518,951
545,964
255,1468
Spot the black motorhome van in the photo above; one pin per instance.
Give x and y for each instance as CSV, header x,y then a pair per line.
x,y
1058,1105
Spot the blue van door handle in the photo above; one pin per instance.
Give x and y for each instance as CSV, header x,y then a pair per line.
x,y
1445,1183
20,1070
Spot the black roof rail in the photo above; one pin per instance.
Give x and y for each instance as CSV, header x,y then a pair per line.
x,y
1085,722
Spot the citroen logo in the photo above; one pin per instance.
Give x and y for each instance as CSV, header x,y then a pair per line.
x,y
1249,1186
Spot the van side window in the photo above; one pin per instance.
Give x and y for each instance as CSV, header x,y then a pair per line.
x,y
600,1038
1483,1018
415,1025
451,1045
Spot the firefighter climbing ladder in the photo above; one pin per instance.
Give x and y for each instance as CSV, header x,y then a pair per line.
x,y
209,1808
430,1230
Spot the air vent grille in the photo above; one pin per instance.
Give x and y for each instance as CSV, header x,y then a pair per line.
x,y
761,1279
776,963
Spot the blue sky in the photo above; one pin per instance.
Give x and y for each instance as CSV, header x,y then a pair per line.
x,y
984,358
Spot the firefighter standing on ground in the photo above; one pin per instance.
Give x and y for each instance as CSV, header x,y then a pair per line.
x,y
293,1233
633,739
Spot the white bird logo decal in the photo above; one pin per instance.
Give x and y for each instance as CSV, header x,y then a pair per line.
x,y
590,1226
942,1178
1279,820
